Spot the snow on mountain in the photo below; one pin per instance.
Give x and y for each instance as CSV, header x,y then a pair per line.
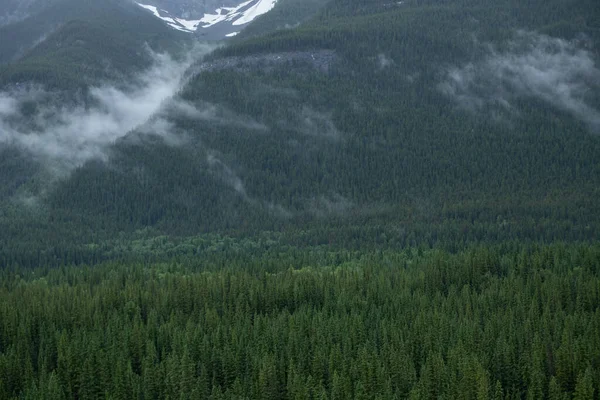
x,y
190,25
176,23
224,22
259,8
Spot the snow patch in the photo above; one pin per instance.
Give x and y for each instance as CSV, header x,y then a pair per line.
x,y
224,14
190,25
242,14
180,24
261,7
153,9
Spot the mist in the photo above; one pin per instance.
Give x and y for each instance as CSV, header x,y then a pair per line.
x,y
67,136
559,72
316,124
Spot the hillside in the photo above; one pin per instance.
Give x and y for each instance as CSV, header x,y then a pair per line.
x,y
371,123
349,199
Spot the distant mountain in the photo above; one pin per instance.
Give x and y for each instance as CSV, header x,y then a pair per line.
x,y
74,41
126,21
16,10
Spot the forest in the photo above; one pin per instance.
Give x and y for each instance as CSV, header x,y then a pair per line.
x,y
488,322
351,199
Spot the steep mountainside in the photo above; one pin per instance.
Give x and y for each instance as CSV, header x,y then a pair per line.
x,y
388,123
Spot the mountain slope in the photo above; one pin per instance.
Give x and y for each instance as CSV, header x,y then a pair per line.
x,y
374,129
118,23
373,122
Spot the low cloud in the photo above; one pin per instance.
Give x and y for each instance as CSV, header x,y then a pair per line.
x,y
218,114
67,136
317,124
559,72
333,205
226,174
384,61
8,106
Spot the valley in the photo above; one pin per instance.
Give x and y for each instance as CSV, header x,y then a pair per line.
x,y
342,199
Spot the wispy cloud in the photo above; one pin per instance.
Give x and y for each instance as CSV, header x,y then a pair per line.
x,y
384,61
559,72
226,174
316,124
67,136
332,205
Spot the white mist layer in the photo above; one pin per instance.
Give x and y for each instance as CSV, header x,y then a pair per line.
x,y
554,70
70,136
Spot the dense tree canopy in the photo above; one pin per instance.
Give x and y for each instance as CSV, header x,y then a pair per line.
x,y
486,323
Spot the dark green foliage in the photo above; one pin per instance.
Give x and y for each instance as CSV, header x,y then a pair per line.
x,y
349,151
483,323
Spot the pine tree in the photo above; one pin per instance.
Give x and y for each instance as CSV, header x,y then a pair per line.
x,y
498,393
584,388
267,379
535,389
150,376
483,384
188,374
554,391
53,390
337,389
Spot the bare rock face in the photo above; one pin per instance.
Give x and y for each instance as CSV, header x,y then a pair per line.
x,y
318,60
